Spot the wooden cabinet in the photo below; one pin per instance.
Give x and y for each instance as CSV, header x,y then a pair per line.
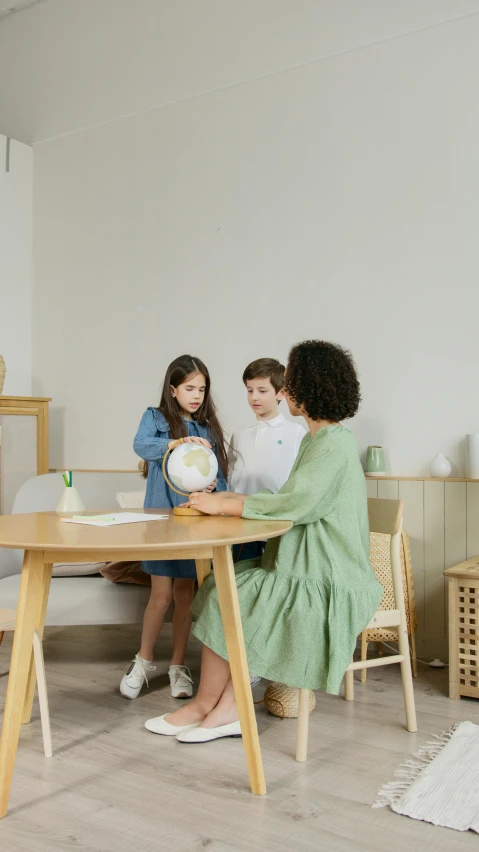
x,y
463,582
23,444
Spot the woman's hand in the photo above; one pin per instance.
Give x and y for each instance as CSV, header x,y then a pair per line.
x,y
209,504
216,504
211,487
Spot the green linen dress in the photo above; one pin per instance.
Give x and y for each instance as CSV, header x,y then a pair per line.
x,y
313,591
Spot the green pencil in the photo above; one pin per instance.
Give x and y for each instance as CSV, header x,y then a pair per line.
x,y
71,478
65,479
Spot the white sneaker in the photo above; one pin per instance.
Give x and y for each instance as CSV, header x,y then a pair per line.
x,y
181,682
254,680
135,677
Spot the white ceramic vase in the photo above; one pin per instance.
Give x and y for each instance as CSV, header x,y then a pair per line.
x,y
472,456
440,466
69,502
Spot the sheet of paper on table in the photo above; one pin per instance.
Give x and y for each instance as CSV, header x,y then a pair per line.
x,y
113,519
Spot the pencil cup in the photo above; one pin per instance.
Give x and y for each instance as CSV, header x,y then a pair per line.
x,y
70,501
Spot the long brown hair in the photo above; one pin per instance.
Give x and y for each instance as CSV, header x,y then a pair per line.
x,y
176,374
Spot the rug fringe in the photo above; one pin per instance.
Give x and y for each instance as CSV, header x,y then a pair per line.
x,y
390,793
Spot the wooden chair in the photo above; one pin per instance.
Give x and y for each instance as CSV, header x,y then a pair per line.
x,y
7,623
380,554
385,517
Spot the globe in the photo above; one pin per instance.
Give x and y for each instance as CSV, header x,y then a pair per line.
x,y
192,467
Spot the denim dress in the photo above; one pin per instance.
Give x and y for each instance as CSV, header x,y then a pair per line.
x,y
151,443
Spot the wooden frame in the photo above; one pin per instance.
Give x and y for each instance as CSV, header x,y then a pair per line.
x,y
32,406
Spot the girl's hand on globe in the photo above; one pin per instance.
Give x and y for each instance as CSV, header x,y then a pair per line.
x,y
192,439
211,487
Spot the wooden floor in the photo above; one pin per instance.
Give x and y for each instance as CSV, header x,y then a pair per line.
x,y
112,786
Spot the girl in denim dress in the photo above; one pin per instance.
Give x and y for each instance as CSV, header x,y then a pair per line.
x,y
186,410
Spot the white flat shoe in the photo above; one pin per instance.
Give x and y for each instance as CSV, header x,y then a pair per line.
x,y
204,735
159,725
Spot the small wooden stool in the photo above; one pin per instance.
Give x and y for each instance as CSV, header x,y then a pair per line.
x,y
463,589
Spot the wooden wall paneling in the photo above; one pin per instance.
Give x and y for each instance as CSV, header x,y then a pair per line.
x,y
455,531
472,519
434,622
413,495
388,489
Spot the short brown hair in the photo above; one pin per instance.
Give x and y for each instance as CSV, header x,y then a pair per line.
x,y
266,368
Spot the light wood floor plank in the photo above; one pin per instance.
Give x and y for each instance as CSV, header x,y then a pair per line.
x,y
111,786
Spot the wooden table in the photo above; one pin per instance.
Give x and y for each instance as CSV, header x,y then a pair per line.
x,y
46,540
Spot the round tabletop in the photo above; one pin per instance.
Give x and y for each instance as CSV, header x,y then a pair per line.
x,y
45,531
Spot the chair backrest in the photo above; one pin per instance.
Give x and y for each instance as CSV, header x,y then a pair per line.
x,y
380,556
131,499
385,516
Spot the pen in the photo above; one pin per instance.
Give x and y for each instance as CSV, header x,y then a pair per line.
x,y
93,518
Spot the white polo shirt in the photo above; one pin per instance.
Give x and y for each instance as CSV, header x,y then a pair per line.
x,y
266,453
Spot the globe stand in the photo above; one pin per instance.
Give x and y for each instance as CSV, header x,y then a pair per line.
x,y
182,511
186,511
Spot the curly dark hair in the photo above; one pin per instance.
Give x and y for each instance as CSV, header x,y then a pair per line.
x,y
321,379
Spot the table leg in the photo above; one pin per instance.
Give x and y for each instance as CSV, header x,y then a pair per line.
x,y
231,617
31,592
40,623
203,570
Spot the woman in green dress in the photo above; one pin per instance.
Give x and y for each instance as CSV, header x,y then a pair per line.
x,y
304,603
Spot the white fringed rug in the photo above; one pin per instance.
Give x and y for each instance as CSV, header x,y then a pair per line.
x,y
440,784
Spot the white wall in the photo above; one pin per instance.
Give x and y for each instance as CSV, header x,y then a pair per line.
x,y
16,196
70,64
324,186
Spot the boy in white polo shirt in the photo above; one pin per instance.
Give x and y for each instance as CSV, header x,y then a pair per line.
x,y
265,450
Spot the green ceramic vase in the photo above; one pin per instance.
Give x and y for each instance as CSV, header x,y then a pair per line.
x,y
375,462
